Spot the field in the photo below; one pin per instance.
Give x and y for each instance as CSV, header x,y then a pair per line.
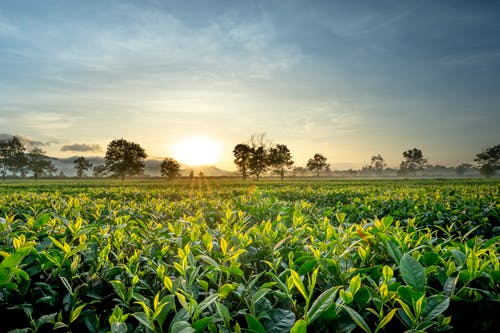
x,y
215,256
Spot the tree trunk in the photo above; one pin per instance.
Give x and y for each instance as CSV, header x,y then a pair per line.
x,y
282,174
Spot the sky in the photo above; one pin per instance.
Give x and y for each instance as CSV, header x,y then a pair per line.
x,y
347,79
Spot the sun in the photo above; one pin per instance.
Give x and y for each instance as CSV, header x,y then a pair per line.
x,y
197,151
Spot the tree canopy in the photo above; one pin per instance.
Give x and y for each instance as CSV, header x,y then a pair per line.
x,y
489,160
12,157
39,164
242,153
414,160
82,165
317,163
280,159
170,168
124,158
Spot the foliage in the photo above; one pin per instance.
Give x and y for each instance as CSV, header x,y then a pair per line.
x,y
82,165
317,163
242,153
124,158
39,164
12,156
258,162
489,161
414,160
378,163
170,168
266,257
280,158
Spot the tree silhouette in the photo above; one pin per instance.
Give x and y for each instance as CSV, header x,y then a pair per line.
x,y
242,153
12,157
280,159
170,168
39,164
82,165
317,163
124,158
378,163
489,160
414,161
99,170
258,162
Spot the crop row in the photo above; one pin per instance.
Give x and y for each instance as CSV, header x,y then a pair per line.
x,y
239,258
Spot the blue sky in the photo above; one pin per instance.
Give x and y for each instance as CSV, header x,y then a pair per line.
x,y
348,79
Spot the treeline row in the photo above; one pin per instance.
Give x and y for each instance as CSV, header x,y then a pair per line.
x,y
253,158
259,155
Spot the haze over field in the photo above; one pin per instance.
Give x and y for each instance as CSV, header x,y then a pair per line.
x,y
347,79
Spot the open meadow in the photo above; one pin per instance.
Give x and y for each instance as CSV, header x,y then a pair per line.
x,y
223,256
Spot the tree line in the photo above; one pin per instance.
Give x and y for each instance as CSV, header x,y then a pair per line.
x,y
259,155
253,158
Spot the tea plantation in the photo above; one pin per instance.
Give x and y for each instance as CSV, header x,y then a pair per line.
x,y
223,256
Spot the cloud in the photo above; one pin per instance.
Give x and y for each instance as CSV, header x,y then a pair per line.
x,y
25,140
81,147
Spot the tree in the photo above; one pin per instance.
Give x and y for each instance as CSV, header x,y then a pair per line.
x,y
378,163
414,160
242,153
12,156
39,164
258,162
317,163
99,171
82,165
489,160
280,159
170,168
124,158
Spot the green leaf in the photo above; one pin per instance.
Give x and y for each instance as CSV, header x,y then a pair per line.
x,y
413,272
66,284
182,327
259,294
254,324
436,305
299,327
321,303
386,319
76,312
226,289
281,321
307,267
450,285
298,283
143,319
205,304
355,284
223,313
356,317
200,325
393,250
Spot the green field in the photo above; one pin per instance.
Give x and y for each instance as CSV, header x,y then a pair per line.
x,y
226,256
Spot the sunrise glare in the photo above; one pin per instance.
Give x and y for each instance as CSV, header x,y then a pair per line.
x,y
196,151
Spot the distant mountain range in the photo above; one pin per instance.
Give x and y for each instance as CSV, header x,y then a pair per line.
x,y
152,167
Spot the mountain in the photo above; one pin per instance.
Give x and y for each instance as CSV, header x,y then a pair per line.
x,y
152,167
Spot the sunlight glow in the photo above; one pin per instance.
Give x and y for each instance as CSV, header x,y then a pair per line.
x,y
197,151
